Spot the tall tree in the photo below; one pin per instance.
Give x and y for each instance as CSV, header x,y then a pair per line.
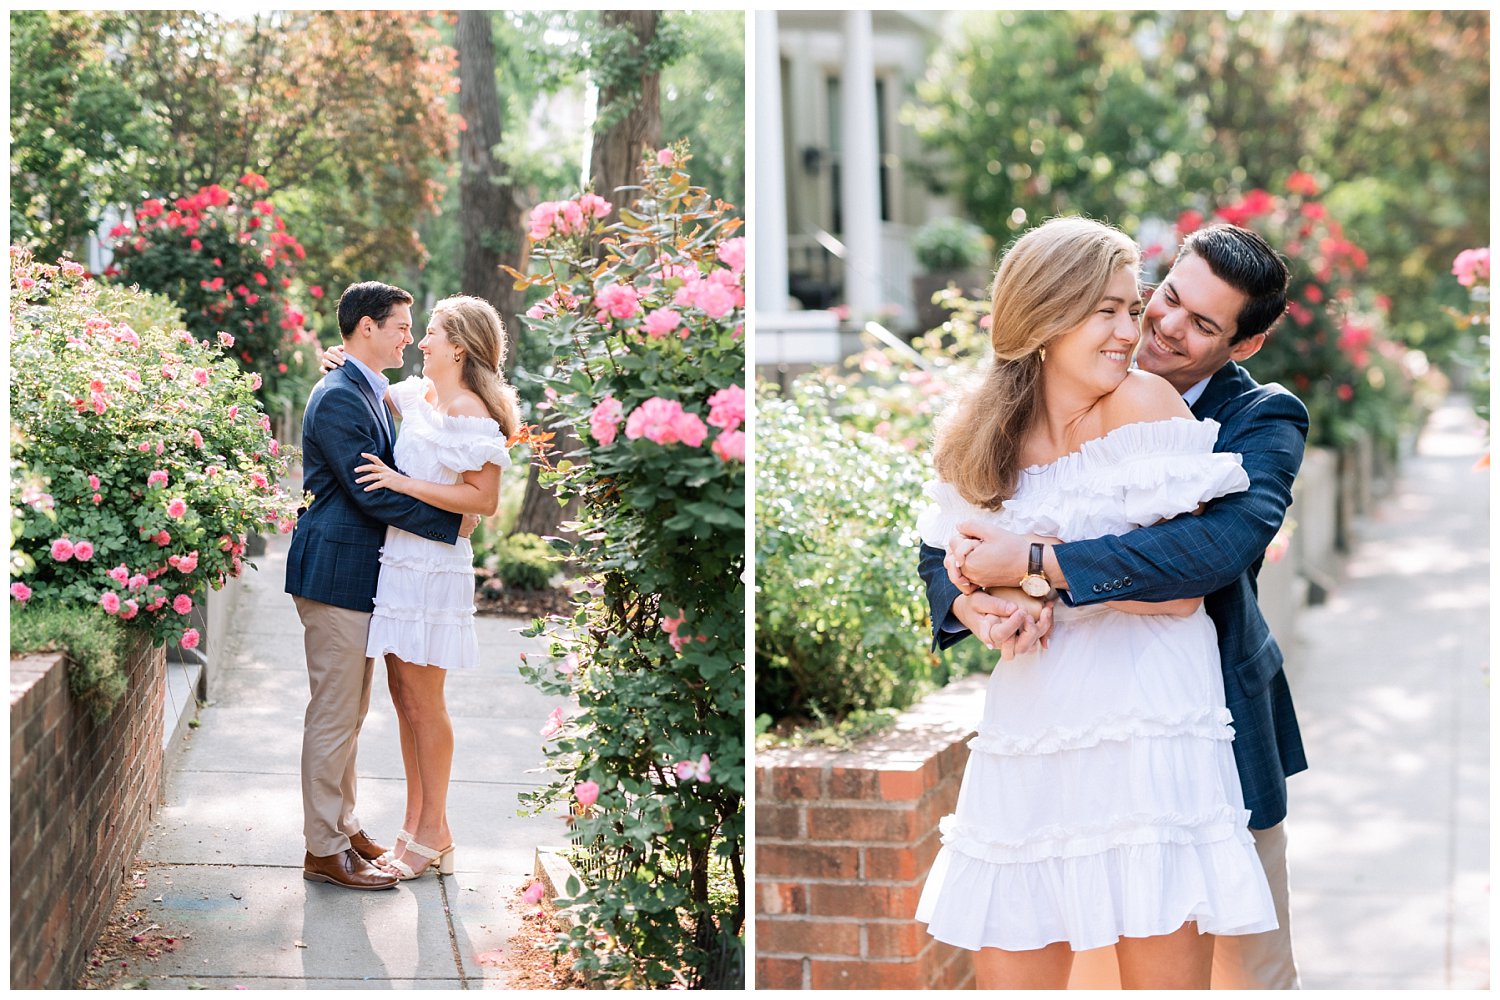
x,y
489,208
625,57
628,55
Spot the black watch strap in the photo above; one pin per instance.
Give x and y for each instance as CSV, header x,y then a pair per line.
x,y
1034,563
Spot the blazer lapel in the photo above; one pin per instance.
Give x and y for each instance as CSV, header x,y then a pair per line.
x,y
376,406
1227,383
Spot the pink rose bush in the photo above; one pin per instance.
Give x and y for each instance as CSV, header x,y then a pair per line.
x,y
90,485
225,256
649,374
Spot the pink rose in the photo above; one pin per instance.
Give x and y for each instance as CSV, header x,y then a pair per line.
x,y
655,420
225,339
257,480
715,300
572,217
182,604
534,893
62,549
619,301
176,507
732,253
128,610
157,477
233,411
587,793
604,421
162,538
83,551
592,204
137,582
553,725
660,322
190,639
686,769
120,574
730,446
110,602
93,482
541,220
726,408
188,563
664,157
197,437
20,592
689,429
200,375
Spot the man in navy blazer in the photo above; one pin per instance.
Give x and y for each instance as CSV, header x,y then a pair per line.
x,y
1225,290
332,568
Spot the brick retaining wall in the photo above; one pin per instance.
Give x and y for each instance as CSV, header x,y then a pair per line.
x,y
81,797
843,844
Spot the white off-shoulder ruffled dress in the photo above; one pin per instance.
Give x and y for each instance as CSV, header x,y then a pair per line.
x,y
424,601
1101,798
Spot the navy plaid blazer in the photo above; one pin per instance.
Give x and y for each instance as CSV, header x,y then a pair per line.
x,y
335,553
1216,556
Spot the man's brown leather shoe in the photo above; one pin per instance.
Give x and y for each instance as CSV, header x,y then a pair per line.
x,y
346,869
365,847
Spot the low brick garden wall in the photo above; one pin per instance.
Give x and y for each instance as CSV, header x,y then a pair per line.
x,y
843,844
81,797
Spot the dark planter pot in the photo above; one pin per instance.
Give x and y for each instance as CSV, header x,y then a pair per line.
x,y
972,284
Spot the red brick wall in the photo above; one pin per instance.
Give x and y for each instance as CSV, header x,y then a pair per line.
x,y
81,796
843,844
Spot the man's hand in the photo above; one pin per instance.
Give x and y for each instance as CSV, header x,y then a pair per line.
x,y
958,548
467,526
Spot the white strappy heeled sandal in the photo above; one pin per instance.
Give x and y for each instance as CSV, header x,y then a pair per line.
x,y
385,858
441,860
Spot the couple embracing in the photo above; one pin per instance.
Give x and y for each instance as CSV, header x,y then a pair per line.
x,y
380,565
1104,499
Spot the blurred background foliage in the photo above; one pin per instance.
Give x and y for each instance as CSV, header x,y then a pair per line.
x,y
1128,116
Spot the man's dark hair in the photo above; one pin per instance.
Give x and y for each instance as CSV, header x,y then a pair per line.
x,y
1247,263
374,299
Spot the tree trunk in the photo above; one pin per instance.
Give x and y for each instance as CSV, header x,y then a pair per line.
x,y
489,210
631,132
628,134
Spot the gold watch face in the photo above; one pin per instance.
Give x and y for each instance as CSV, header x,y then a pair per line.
x,y
1036,586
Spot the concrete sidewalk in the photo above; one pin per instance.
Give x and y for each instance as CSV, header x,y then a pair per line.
x,y
225,854
1389,832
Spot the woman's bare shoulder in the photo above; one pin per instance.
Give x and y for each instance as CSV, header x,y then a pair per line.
x,y
1142,397
467,404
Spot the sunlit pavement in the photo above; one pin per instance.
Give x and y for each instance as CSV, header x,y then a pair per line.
x,y
1389,828
224,856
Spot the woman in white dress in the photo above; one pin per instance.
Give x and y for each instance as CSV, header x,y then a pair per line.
x,y
455,422
1100,804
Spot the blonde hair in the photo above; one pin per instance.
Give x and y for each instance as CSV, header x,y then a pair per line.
x,y
1048,283
473,325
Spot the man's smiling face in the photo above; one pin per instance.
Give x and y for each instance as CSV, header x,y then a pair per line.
x,y
1189,324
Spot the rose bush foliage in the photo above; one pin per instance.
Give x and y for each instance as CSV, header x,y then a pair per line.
x,y
647,742
140,458
225,257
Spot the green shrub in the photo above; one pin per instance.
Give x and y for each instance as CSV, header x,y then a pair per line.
x,y
950,244
140,459
841,623
96,650
523,561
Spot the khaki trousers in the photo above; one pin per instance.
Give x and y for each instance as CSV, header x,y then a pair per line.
x,y
1241,961
338,679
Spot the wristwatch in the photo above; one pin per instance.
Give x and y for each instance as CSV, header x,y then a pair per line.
x,y
1035,581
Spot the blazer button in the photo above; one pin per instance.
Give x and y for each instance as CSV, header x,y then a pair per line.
x,y
1097,589
1127,581
1108,587
1117,583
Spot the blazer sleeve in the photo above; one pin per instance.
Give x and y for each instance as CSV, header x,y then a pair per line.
x,y
941,593
343,431
1194,556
